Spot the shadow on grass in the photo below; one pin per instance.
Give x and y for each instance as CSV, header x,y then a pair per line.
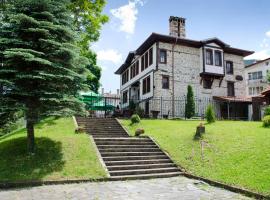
x,y
16,164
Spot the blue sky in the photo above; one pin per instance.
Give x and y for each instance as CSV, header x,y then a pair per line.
x,y
240,23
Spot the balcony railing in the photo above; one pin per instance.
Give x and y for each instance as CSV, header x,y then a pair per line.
x,y
257,81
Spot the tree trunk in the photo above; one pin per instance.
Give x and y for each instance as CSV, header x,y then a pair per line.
x,y
30,136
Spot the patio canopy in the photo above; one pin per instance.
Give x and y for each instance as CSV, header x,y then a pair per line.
x,y
95,101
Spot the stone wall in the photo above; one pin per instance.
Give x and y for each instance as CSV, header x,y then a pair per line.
x,y
188,66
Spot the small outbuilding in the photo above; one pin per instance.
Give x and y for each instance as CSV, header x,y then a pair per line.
x,y
259,103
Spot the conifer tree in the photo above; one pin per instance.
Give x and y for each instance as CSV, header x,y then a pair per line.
x,y
41,69
190,104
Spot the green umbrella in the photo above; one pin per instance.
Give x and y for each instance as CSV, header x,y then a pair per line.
x,y
95,101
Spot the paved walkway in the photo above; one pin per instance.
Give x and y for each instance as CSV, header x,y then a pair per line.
x,y
166,188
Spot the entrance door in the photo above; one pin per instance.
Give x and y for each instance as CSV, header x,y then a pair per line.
x,y
230,87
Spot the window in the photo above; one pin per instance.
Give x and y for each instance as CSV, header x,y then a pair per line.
x,y
230,87
165,82
146,60
162,56
255,75
134,70
250,91
218,58
207,83
151,56
260,76
146,85
142,63
209,56
125,96
125,77
255,90
267,63
137,67
131,71
229,67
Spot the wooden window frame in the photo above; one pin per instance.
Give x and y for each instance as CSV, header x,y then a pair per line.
x,y
150,56
142,63
231,72
215,58
125,77
168,84
137,67
159,56
146,85
208,85
125,96
233,84
211,56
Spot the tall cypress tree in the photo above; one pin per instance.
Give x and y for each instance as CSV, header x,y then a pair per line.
x,y
41,66
190,104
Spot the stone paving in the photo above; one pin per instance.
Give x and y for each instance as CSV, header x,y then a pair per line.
x,y
155,189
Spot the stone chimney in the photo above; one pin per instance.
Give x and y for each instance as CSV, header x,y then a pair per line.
x,y
177,26
118,92
102,90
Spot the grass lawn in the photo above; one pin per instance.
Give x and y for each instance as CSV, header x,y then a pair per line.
x,y
236,153
60,154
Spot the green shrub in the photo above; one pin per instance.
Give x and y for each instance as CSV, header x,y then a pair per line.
x,y
135,119
267,111
210,114
266,121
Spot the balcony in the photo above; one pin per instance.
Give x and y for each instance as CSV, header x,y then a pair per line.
x,y
259,81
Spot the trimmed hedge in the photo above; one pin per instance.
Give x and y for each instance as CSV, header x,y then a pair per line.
x,y
135,119
266,121
210,114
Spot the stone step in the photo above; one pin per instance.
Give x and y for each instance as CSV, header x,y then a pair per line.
x,y
137,162
156,149
95,123
106,135
142,166
106,131
120,154
110,124
146,176
120,146
129,139
124,143
127,158
143,171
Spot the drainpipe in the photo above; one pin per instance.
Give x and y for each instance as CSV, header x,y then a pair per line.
x,y
173,102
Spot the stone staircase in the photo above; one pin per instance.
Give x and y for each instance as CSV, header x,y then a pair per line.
x,y
127,157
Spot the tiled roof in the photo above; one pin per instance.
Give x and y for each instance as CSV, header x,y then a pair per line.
x,y
233,99
155,37
260,61
266,92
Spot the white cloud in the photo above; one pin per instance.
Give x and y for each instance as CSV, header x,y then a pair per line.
x,y
110,55
260,55
127,14
267,33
